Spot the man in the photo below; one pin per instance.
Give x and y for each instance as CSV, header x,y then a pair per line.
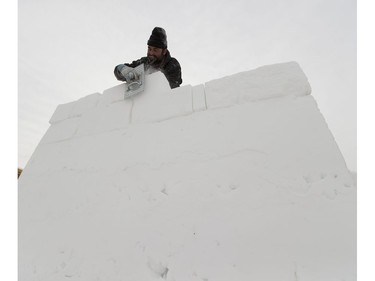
x,y
158,59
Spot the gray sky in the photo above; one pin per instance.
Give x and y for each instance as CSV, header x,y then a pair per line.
x,y
68,49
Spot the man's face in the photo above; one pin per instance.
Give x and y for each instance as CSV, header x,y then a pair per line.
x,y
155,54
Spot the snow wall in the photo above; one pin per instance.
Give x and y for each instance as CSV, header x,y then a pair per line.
x,y
237,179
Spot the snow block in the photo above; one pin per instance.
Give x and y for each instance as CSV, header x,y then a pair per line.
x,y
156,84
113,95
199,98
272,81
125,190
74,109
159,102
86,103
112,117
62,112
61,131
162,107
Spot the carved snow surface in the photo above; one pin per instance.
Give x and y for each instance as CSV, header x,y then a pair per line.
x,y
237,179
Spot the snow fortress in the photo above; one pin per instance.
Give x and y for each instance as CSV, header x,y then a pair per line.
x,y
237,179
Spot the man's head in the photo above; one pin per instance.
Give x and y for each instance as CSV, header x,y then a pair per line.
x,y
157,44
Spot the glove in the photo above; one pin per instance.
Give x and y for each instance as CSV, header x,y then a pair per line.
x,y
125,73
118,73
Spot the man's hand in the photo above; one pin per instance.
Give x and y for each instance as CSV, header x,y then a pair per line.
x,y
120,71
125,73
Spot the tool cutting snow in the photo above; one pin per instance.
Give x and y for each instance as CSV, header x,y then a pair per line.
x,y
135,79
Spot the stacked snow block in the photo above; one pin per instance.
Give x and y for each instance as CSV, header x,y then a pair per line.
x,y
271,81
109,111
222,181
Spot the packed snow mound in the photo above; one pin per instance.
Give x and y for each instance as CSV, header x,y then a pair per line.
x,y
236,179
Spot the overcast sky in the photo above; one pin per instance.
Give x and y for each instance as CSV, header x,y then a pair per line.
x,y
68,49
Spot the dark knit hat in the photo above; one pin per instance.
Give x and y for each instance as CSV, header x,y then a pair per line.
x,y
158,38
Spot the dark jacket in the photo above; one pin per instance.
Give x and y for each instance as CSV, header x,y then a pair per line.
x,y
169,66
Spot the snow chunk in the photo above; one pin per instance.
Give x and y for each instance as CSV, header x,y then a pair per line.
x,y
271,81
